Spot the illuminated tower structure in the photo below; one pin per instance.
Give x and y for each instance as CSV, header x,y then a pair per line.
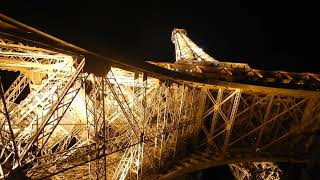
x,y
60,121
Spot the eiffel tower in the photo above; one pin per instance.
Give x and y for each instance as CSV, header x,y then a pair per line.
x,y
62,119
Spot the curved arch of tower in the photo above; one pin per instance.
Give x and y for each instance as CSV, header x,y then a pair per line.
x,y
60,121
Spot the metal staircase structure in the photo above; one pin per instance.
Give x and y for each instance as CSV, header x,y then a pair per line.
x,y
60,121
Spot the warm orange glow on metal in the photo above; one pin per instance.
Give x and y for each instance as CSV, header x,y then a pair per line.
x,y
76,125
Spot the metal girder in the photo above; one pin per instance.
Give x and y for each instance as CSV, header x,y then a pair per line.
x,y
48,124
7,134
15,89
251,165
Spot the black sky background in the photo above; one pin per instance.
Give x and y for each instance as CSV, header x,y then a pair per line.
x,y
265,35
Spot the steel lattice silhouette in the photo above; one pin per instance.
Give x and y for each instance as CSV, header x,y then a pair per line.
x,y
58,121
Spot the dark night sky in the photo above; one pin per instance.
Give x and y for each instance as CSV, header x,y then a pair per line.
x,y
267,36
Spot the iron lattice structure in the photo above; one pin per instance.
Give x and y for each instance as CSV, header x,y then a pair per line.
x,y
58,121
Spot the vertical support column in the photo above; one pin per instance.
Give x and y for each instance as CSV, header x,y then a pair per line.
x,y
215,116
3,128
135,89
140,155
164,125
95,120
266,116
201,107
177,132
104,129
145,86
230,123
158,140
86,97
202,99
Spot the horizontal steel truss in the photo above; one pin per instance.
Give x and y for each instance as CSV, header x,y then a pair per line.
x,y
246,124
